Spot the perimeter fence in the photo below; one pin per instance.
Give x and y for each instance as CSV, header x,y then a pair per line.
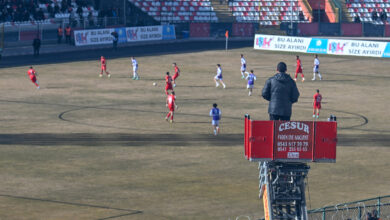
x,y
358,210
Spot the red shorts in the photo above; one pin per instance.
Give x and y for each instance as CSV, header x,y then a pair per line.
x,y
171,108
33,79
104,67
168,87
175,76
317,105
298,70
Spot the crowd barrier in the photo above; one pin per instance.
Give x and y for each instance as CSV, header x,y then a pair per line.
x,y
129,34
352,29
322,46
206,30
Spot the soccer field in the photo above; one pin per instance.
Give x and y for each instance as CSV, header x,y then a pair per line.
x,y
84,147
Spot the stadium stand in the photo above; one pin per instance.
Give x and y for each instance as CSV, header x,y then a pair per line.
x,y
268,12
44,11
375,11
178,10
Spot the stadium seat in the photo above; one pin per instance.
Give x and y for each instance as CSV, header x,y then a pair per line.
x,y
265,12
364,9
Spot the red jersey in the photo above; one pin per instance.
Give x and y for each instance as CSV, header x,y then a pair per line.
x,y
317,98
299,67
177,71
31,73
168,79
171,102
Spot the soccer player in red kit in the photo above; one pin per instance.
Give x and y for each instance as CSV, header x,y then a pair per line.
x,y
168,81
299,70
32,74
171,104
317,98
104,67
177,73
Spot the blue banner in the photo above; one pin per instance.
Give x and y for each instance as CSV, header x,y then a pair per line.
x,y
318,45
168,32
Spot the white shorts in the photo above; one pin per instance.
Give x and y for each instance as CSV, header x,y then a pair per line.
x,y
315,69
135,68
215,122
249,86
243,69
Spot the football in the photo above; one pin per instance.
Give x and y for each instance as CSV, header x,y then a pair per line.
x,y
154,84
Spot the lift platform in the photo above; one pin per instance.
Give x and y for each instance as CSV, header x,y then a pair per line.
x,y
283,149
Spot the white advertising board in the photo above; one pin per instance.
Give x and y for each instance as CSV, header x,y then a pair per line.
x,y
281,43
129,34
322,46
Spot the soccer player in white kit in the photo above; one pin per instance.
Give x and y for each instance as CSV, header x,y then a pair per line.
x,y
316,68
218,77
135,68
251,81
243,66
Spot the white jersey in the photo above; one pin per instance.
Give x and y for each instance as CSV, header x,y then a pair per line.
x,y
316,65
243,61
243,64
135,64
219,73
316,62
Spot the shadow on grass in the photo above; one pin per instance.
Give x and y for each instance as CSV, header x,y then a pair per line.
x,y
173,140
128,211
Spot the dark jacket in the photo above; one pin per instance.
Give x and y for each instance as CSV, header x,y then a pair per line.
x,y
36,43
281,92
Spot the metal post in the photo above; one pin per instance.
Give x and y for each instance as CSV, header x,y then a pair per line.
x,y
19,32
360,213
379,207
324,214
319,12
124,13
291,17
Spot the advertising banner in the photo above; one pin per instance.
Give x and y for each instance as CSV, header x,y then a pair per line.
x,y
281,43
166,32
386,53
318,45
322,46
356,48
130,34
293,140
93,37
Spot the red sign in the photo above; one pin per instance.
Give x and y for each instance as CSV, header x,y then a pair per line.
x,y
200,30
293,140
325,141
261,139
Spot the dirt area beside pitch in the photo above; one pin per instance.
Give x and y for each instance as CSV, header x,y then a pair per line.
x,y
84,147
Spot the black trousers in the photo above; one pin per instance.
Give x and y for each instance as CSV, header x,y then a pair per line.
x,y
36,51
279,117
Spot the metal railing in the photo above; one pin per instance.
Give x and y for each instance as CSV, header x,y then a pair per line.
x,y
358,210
